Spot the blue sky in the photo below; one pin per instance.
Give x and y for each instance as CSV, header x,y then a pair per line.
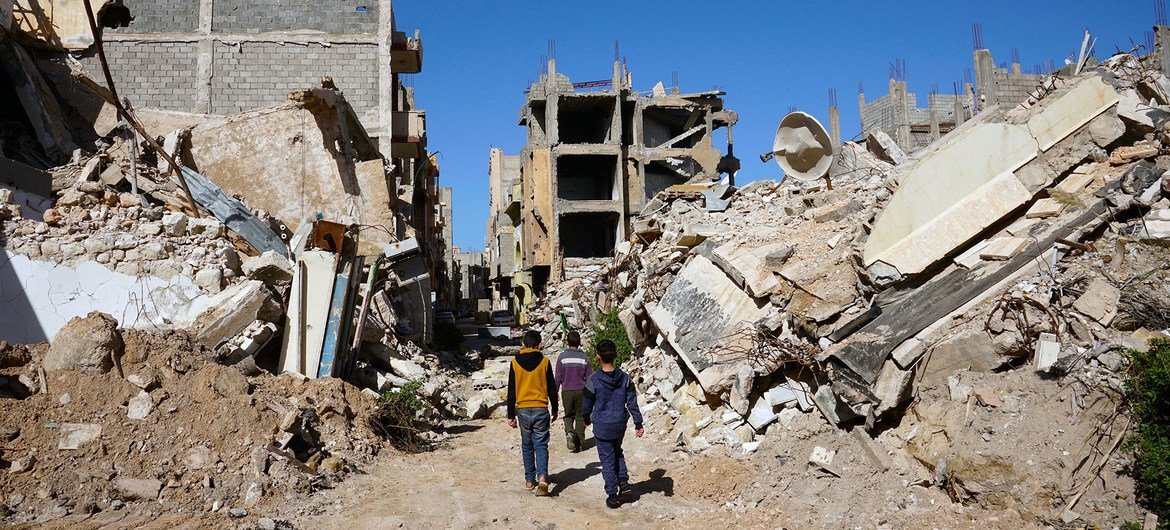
x,y
768,56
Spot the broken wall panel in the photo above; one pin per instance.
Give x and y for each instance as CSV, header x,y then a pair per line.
x,y
700,309
61,23
954,191
39,297
288,161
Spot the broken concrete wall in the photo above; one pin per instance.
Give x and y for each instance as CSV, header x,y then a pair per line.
x,y
294,162
700,309
953,191
61,23
39,297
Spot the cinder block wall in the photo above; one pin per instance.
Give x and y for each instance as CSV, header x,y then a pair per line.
x,y
256,74
340,17
152,74
227,56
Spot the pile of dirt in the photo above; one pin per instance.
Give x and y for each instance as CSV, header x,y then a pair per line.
x,y
174,432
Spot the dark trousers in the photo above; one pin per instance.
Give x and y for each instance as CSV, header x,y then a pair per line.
x,y
573,400
613,464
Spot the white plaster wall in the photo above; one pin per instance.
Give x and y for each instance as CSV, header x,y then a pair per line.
x,y
37,298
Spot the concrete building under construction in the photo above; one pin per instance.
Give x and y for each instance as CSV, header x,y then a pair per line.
x,y
597,152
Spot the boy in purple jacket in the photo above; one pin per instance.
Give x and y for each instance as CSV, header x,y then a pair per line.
x,y
572,371
610,401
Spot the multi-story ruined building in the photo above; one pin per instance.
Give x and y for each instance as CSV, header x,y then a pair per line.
x,y
502,251
207,58
596,154
470,276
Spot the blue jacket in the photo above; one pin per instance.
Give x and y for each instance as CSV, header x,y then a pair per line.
x,y
610,401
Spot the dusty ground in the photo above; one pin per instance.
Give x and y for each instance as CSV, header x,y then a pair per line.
x,y
476,481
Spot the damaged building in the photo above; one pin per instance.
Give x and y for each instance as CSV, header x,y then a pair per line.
x,y
597,153
226,174
898,116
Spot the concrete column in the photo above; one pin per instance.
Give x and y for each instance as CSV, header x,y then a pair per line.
x,y
835,128
204,61
385,77
1162,47
901,115
960,114
934,128
985,80
861,111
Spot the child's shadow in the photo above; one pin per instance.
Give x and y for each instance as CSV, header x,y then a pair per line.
x,y
568,477
658,482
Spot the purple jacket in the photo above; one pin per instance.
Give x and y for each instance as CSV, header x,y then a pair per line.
x,y
572,369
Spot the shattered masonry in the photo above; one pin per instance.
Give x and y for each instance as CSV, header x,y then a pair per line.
x,y
999,242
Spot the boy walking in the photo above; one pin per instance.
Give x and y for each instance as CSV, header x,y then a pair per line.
x,y
572,371
531,391
610,401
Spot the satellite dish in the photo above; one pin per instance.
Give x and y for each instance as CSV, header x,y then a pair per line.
x,y
802,147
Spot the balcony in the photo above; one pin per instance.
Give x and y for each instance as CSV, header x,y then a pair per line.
x,y
406,53
408,138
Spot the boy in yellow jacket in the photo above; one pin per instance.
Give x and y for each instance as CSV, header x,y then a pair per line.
x,y
532,390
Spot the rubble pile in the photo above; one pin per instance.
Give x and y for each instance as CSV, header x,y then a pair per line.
x,y
1029,240
176,433
149,307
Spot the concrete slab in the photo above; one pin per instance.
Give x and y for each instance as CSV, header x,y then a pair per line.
x,y
1003,248
700,309
949,195
747,265
1099,301
1045,208
1063,114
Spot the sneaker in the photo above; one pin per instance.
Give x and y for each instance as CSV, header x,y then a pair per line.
x,y
624,489
542,489
571,442
529,485
613,501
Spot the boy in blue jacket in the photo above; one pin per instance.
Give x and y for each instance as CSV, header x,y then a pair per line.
x,y
610,401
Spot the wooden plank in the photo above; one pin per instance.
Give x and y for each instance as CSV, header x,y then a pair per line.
x,y
1002,248
1075,183
1045,208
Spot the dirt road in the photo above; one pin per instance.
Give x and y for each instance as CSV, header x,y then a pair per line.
x,y
476,481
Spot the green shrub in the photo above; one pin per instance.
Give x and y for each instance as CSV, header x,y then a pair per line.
x,y
447,336
1148,386
397,418
610,327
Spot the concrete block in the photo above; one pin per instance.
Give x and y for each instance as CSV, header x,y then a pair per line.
x,y
700,308
1003,248
745,264
1045,208
231,311
1099,301
76,435
1047,352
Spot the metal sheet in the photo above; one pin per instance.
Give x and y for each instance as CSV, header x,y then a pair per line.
x,y
234,214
